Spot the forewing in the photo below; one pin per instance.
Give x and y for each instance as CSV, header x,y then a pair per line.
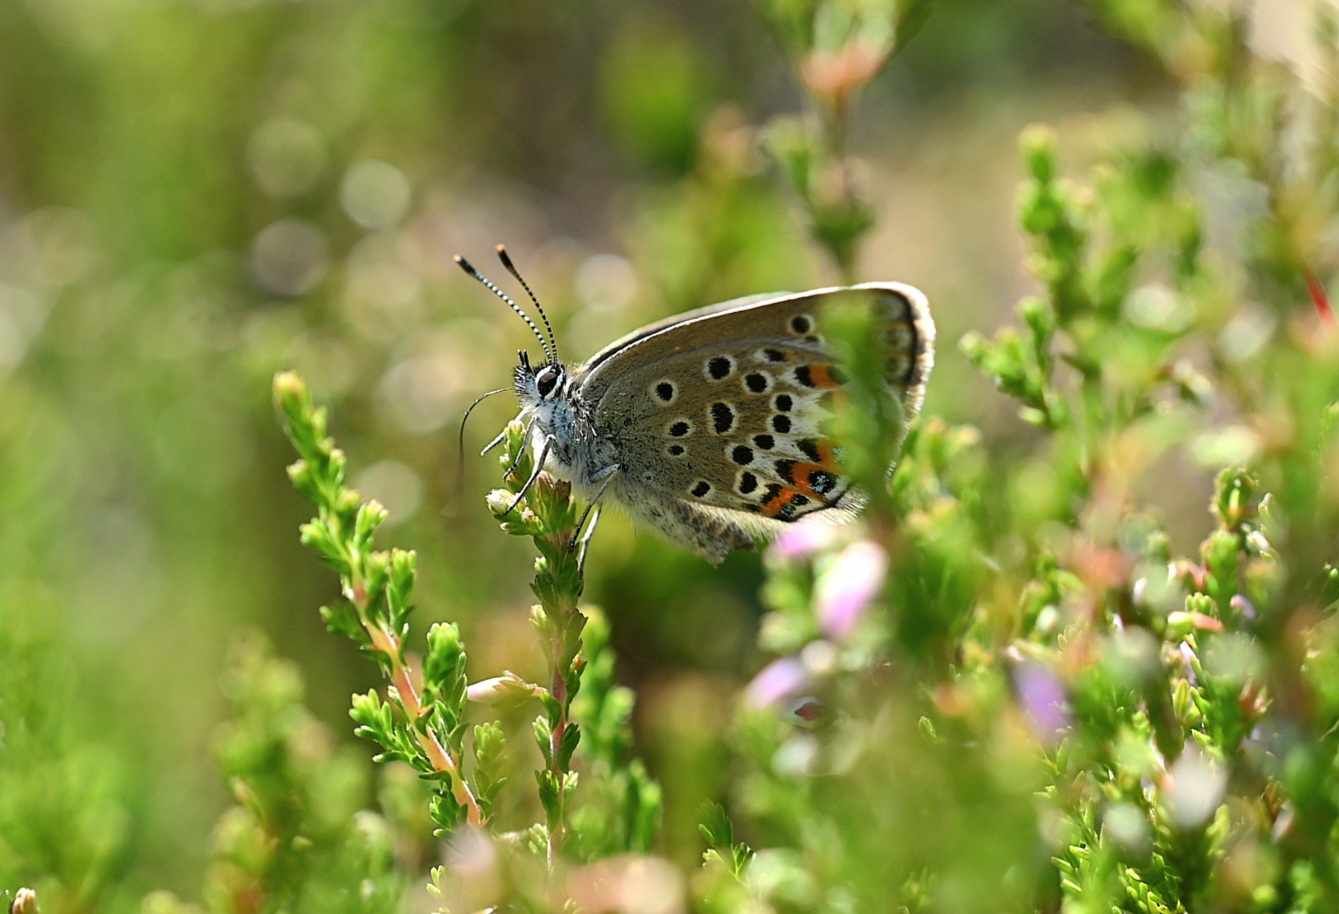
x,y
724,407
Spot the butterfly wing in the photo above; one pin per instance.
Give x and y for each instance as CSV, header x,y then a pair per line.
x,y
721,409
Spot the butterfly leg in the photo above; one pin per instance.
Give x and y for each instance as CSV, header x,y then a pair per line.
x,y
583,544
534,474
501,436
604,477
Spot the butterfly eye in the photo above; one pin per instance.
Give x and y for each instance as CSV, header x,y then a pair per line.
x,y
547,380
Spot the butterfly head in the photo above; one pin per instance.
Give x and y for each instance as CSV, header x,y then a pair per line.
x,y
538,385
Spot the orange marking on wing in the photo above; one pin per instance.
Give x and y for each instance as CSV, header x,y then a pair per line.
x,y
825,456
823,377
777,503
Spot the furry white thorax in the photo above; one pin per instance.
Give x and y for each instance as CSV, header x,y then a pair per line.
x,y
576,454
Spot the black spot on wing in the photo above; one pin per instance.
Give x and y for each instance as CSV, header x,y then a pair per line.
x,y
722,417
822,482
719,367
757,382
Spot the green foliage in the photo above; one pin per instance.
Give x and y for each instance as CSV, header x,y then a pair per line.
x,y
548,515
1034,654
657,120
296,838
61,788
722,849
424,724
1081,653
1143,704
837,48
621,806
421,725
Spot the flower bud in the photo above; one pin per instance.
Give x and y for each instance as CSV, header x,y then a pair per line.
x,y
25,902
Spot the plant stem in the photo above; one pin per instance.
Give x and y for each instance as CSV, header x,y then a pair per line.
x,y
564,644
402,680
557,825
549,518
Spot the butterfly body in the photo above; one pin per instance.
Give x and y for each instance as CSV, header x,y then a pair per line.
x,y
709,426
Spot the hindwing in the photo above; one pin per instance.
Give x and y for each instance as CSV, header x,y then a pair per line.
x,y
724,408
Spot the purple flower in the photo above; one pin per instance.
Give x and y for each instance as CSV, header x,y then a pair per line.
x,y
1243,607
775,682
1042,697
800,541
847,585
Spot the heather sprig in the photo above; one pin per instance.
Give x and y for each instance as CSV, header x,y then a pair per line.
x,y
622,805
548,515
1090,245
421,720
836,49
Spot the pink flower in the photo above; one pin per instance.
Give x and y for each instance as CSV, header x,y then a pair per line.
x,y
1042,697
776,682
847,586
800,541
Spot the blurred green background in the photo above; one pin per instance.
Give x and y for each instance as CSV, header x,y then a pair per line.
x,y
194,195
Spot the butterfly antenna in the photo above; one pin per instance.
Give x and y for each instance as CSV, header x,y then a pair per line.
x,y
503,256
488,284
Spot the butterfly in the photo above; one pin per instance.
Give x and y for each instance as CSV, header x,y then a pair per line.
x,y
709,426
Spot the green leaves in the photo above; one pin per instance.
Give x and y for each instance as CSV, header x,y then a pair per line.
x,y
426,732
384,724
1055,637
718,832
839,216
1145,657
619,804
490,768
296,834
1167,676
444,682
1103,316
